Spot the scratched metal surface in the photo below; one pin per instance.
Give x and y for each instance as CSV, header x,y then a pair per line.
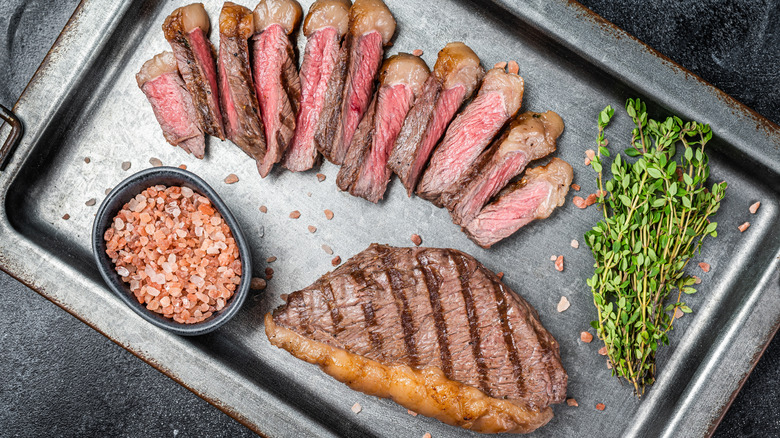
x,y
84,102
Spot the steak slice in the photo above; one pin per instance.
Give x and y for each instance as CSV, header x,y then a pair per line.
x,y
243,124
533,197
498,100
276,75
186,29
172,104
529,137
371,26
434,330
365,171
325,25
455,77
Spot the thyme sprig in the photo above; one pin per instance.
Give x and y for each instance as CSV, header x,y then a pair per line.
x,y
656,215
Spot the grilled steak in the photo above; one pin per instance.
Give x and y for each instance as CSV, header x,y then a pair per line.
x,y
243,125
325,25
186,29
529,137
455,77
172,104
533,197
365,171
276,75
499,98
371,26
432,329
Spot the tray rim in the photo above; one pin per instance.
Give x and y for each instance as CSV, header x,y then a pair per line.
x,y
605,29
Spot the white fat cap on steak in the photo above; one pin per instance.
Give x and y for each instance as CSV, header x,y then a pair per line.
x,y
193,16
368,16
327,13
406,69
286,13
159,65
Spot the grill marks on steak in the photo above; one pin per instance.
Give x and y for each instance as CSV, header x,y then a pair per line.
x,y
529,137
276,75
499,98
426,307
455,76
365,171
185,29
535,196
172,104
243,124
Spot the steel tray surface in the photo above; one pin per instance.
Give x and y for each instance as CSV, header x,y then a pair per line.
x,y
84,102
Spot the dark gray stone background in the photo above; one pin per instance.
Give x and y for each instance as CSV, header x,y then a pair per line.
x,y
59,377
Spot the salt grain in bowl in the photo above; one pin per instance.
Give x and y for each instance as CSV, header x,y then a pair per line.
x,y
176,252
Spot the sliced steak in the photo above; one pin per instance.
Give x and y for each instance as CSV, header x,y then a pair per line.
x,y
243,124
325,25
529,137
186,29
455,77
434,330
276,75
365,171
498,100
172,104
371,26
533,197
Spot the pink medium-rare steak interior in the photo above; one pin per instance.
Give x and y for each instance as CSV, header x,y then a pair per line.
x,y
455,77
243,123
324,26
172,104
499,98
365,171
185,29
529,137
535,196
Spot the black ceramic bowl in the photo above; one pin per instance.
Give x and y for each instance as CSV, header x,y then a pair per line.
x,y
119,196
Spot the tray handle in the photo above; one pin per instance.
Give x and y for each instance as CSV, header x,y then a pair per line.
x,y
13,138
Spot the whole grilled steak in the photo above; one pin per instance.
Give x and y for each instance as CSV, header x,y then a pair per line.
x,y
325,25
434,330
365,171
186,29
530,136
243,124
455,76
172,104
499,98
276,75
535,196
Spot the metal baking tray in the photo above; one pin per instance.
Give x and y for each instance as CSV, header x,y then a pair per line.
x,y
83,102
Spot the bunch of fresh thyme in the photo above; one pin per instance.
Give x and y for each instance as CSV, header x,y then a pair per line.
x,y
655,218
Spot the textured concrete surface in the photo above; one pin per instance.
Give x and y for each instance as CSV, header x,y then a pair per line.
x,y
61,378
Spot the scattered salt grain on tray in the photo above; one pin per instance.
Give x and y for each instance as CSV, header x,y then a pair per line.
x,y
696,279
512,67
563,304
155,162
600,406
704,266
426,435
312,229
90,202
176,252
744,227
269,273
579,201
501,64
553,257
603,351
257,283
417,52
270,259
575,187
263,209
575,243
231,179
320,177
586,337
336,261
328,214
65,216
678,313
295,214
416,239
571,402
559,263
126,165
411,412
356,408
183,166
108,190
754,207
87,160
328,250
